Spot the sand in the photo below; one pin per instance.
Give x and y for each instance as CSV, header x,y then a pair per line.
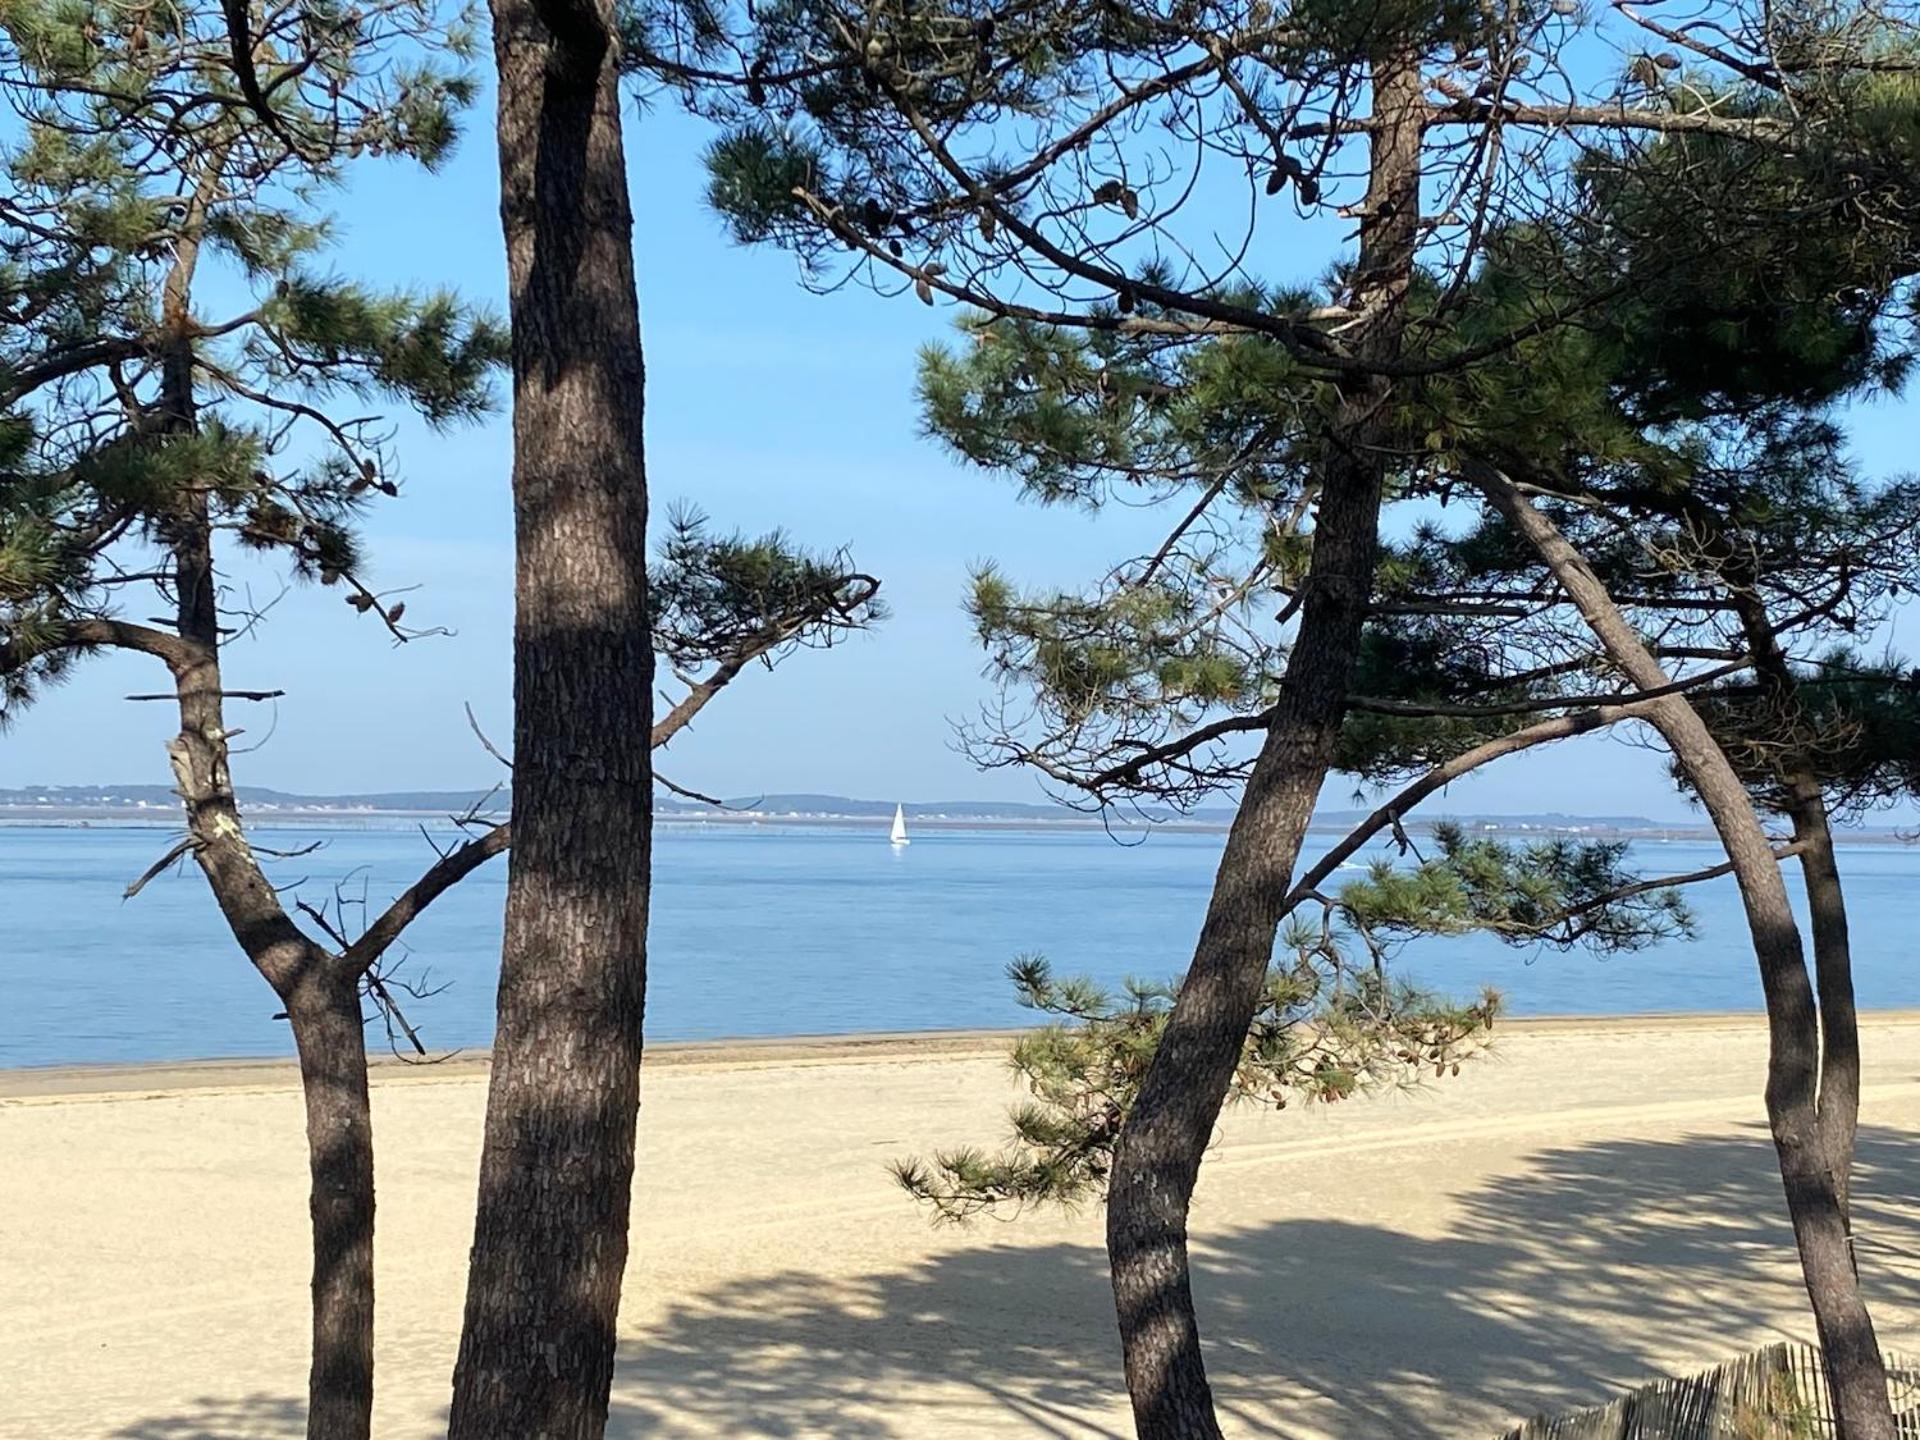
x,y
1590,1207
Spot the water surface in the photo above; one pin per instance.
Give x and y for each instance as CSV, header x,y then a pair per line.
x,y
777,930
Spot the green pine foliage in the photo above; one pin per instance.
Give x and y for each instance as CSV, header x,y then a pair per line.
x,y
1580,306
713,597
1727,497
1167,642
754,173
1088,417
1144,649
174,352
338,338
1092,417
1851,722
1557,891
1327,1029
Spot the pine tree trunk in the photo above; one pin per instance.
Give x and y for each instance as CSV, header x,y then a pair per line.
x,y
550,1233
328,1031
1854,1364
1838,1109
1806,808
323,1005
1157,1158
1833,978
1159,1150
321,994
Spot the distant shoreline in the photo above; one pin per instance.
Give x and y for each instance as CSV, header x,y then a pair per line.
x,y
173,1077
59,817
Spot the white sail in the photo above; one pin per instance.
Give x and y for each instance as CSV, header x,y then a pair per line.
x,y
899,836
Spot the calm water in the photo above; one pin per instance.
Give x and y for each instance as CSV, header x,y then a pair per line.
x,y
777,931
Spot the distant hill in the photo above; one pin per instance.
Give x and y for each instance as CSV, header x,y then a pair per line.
x,y
841,805
150,797
135,799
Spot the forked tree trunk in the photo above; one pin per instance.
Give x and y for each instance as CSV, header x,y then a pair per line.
x,y
1158,1154
556,1174
1814,1203
1806,809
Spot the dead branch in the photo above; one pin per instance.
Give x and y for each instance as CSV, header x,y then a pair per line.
x,y
224,695
684,793
158,866
481,736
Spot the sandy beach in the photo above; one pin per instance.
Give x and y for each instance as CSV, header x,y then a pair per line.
x,y
1591,1206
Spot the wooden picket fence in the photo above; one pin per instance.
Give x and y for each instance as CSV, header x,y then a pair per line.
x,y
1779,1393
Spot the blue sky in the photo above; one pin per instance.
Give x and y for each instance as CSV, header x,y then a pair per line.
x,y
767,406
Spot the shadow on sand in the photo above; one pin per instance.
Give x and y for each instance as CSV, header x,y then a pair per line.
x,y
1591,1269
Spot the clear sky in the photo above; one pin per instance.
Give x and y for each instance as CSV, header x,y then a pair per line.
x,y
768,407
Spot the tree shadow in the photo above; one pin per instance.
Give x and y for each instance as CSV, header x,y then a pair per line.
x,y
1584,1271
1593,1268
249,1417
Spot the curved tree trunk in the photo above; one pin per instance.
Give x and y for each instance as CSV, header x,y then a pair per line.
x,y
556,1175
1839,1103
320,991
1833,978
1854,1364
1806,810
1158,1154
322,997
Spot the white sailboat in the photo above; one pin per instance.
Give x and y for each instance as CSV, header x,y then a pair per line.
x,y
899,835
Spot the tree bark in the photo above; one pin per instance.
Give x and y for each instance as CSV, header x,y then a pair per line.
x,y
1854,1365
550,1232
1833,977
1160,1146
330,1034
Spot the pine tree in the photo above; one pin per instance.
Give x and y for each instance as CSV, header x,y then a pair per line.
x,y
184,381
1062,171
1758,545
1690,496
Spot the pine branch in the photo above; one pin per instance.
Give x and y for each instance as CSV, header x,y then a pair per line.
x,y
1647,887
1563,727
450,870
240,48
1416,711
25,379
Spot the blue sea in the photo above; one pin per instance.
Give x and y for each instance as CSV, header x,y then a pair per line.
x,y
786,930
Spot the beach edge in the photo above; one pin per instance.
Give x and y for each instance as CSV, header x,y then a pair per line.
x,y
177,1077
